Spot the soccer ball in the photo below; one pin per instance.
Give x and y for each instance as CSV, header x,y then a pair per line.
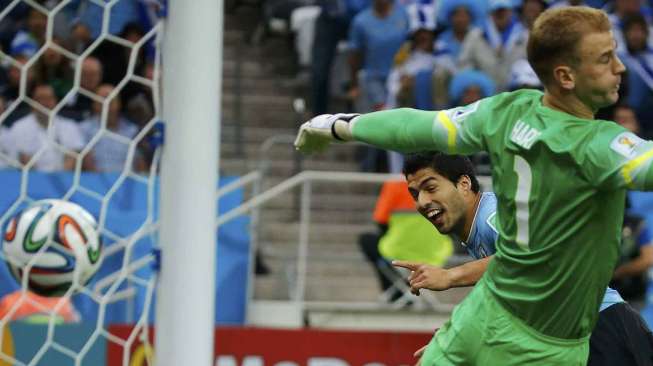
x,y
54,243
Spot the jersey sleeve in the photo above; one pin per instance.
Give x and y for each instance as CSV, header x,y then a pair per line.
x,y
620,159
453,131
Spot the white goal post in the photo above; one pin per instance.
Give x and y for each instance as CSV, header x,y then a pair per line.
x,y
191,89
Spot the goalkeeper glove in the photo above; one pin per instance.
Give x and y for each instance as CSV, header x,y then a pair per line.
x,y
316,134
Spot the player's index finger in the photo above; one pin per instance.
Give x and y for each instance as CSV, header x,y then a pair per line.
x,y
405,264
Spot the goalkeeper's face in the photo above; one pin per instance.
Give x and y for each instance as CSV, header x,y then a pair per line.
x,y
440,200
597,76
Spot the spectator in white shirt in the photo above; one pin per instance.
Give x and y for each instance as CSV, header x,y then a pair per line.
x,y
54,142
111,150
80,107
5,157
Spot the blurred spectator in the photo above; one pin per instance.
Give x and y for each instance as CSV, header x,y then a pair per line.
x,y
142,12
626,117
5,157
115,58
638,58
469,86
29,136
11,23
30,307
459,18
302,23
636,258
522,76
80,37
282,11
110,152
530,10
11,90
54,69
374,38
561,3
27,41
636,251
376,35
415,58
139,99
477,11
115,61
403,235
495,48
79,106
619,10
332,26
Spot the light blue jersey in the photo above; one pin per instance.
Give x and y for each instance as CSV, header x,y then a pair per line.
x,y
483,235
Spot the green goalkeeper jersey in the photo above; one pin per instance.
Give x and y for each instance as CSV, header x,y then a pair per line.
x,y
560,182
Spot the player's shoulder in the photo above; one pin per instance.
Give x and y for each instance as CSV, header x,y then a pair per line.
x,y
486,214
520,97
611,138
504,101
507,102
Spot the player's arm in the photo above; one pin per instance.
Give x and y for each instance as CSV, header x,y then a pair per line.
x,y
620,159
638,265
637,171
439,279
643,261
454,131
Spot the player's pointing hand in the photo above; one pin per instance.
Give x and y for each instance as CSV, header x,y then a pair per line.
x,y
426,276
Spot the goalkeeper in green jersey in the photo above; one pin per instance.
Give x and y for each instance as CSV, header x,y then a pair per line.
x,y
560,178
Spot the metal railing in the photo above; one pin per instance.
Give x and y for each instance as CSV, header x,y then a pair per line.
x,y
306,179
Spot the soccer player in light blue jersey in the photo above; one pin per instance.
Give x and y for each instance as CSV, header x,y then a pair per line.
x,y
447,193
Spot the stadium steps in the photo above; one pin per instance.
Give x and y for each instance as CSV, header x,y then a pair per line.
x,y
283,215
257,103
333,278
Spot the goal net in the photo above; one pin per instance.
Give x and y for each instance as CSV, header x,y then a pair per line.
x,y
79,121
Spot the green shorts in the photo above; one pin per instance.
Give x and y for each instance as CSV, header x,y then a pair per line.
x,y
482,332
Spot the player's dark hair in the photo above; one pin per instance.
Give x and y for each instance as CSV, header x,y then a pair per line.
x,y
451,167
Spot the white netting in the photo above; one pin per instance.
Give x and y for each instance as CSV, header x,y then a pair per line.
x,y
127,279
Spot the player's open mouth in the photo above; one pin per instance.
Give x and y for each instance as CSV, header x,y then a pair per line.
x,y
435,214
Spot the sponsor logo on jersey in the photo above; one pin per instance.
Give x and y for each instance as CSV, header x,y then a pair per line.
x,y
524,135
626,144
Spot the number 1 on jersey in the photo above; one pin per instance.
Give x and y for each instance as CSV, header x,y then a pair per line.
x,y
524,182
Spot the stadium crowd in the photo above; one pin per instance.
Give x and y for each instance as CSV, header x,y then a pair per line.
x,y
38,78
439,54
434,54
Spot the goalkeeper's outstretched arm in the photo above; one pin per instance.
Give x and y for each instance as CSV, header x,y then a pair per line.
x,y
403,130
